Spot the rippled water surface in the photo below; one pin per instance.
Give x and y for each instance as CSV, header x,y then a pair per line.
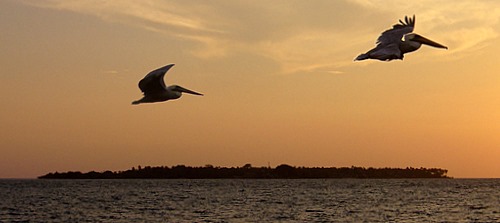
x,y
318,200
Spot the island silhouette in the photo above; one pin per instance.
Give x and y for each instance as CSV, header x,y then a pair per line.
x,y
283,171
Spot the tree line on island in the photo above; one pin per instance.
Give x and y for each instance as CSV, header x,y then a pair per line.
x,y
283,171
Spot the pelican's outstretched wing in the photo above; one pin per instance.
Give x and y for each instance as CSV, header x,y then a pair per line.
x,y
153,82
397,32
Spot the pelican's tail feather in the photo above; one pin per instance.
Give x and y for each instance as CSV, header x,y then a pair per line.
x,y
363,56
136,102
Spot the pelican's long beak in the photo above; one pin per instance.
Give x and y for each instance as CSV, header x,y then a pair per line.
x,y
429,42
181,89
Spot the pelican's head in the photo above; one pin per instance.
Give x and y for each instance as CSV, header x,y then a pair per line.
x,y
420,39
179,89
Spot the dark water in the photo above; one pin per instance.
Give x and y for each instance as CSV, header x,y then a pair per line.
x,y
338,200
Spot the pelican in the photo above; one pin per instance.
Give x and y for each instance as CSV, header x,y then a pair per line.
x,y
395,42
155,90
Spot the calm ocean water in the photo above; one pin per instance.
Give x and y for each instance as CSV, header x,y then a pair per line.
x,y
312,200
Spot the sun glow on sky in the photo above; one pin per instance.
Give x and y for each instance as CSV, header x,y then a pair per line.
x,y
279,81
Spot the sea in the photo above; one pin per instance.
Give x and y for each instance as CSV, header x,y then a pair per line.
x,y
250,200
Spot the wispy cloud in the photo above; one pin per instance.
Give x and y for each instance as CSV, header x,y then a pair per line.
x,y
109,72
299,36
147,13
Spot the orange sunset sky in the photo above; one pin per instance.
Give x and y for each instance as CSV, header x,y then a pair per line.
x,y
279,81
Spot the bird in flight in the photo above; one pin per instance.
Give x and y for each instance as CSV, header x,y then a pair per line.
x,y
154,88
395,42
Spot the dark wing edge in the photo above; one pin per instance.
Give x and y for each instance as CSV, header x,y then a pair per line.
x,y
408,22
397,32
153,82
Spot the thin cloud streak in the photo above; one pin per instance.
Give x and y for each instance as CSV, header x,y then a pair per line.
x,y
146,13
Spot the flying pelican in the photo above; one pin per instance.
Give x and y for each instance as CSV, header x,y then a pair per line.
x,y
395,42
155,90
